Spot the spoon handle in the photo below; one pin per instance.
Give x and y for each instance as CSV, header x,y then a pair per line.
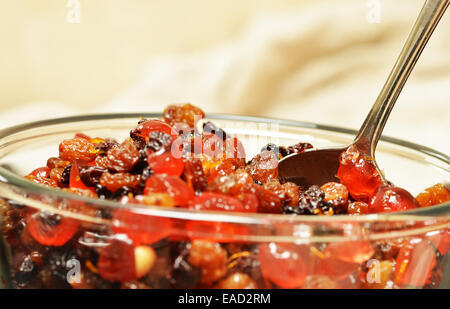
x,y
373,126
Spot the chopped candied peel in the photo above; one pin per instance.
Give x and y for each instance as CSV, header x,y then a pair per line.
x,y
232,260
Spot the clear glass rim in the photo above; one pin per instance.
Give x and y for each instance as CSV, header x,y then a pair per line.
x,y
10,181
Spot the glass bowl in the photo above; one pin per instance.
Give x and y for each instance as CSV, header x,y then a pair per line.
x,y
217,249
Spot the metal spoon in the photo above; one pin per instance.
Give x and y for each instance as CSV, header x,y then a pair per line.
x,y
320,166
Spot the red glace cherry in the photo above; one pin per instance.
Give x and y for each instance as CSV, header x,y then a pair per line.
x,y
165,163
75,181
390,199
144,128
359,174
117,261
179,190
217,231
51,229
283,263
42,172
141,228
342,259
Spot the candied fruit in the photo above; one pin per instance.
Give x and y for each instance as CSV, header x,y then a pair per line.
x,y
390,199
186,113
359,174
173,162
283,264
116,261
434,195
194,175
216,201
210,257
263,166
114,182
77,149
51,229
180,192
237,281
165,163
121,158
414,264
141,228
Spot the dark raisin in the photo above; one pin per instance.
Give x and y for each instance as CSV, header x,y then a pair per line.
x,y
210,127
138,140
102,192
123,191
158,140
103,147
311,202
183,275
142,163
146,173
25,271
58,257
194,175
65,176
271,147
297,148
90,175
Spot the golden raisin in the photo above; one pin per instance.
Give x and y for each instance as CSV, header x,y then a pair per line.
x,y
292,192
56,162
237,281
263,166
77,149
56,174
42,181
211,258
114,182
358,208
334,191
185,113
122,158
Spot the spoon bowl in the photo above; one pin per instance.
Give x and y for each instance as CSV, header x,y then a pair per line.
x,y
312,167
316,167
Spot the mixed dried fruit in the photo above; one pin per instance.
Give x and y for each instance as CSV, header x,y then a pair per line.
x,y
174,162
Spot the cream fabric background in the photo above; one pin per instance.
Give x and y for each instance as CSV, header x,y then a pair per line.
x,y
308,60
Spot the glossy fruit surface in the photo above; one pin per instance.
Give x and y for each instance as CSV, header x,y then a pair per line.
x,y
359,174
283,264
141,228
50,229
180,192
391,199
